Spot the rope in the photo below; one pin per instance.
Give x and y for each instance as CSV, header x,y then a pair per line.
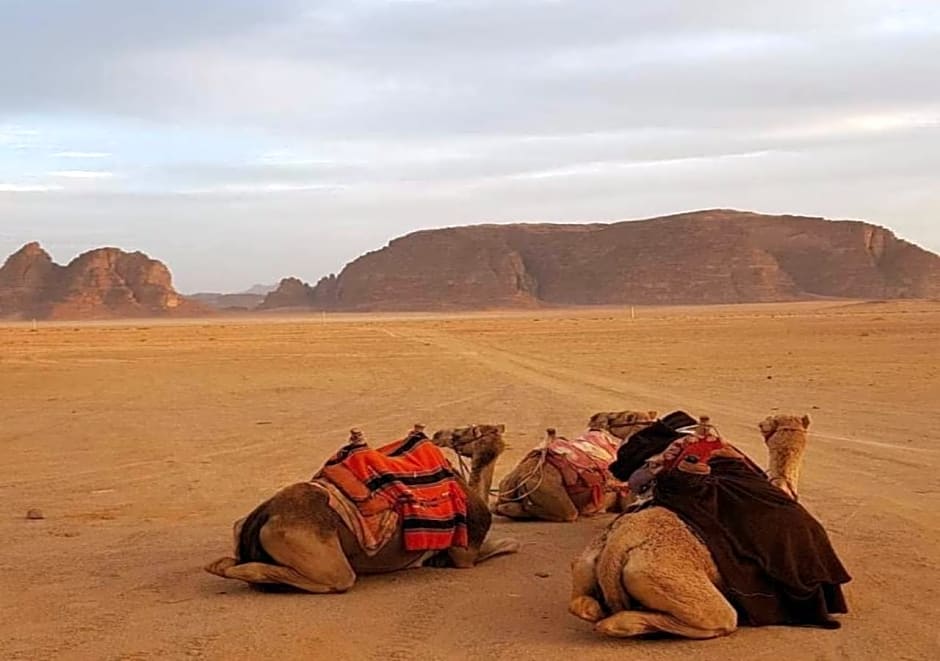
x,y
539,468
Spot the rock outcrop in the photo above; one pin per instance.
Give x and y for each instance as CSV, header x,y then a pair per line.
x,y
102,283
716,256
231,302
290,293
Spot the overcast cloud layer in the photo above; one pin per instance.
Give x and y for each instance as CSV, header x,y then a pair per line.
x,y
241,141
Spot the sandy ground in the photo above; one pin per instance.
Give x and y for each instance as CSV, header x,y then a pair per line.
x,y
143,441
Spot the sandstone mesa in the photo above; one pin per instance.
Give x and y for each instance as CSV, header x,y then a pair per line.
x,y
702,257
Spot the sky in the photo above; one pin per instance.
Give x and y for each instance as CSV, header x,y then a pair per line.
x,y
242,141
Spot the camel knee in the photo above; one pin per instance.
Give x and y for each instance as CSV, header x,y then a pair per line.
x,y
344,583
587,608
722,619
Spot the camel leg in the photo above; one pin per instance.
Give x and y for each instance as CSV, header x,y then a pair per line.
x,y
683,604
493,548
261,573
584,586
550,501
466,558
320,562
513,510
306,561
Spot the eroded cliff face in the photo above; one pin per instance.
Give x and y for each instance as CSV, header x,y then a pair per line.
x,y
716,256
290,293
102,283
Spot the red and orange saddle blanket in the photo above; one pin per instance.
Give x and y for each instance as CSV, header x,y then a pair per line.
x,y
410,478
583,464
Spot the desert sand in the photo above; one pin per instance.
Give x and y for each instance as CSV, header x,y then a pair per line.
x,y
142,442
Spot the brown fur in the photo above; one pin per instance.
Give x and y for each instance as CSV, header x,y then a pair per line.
x,y
651,558
546,496
295,539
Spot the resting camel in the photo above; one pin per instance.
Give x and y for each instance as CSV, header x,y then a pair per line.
x,y
536,489
652,557
296,539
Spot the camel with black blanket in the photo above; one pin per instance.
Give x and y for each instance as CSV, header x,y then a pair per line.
x,y
373,511
563,479
722,543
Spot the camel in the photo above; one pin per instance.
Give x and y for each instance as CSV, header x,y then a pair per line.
x,y
535,489
296,539
651,557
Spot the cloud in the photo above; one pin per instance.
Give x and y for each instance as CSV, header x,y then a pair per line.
x,y
28,188
82,154
82,174
235,117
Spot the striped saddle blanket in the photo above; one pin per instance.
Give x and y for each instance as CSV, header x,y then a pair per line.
x,y
583,464
411,477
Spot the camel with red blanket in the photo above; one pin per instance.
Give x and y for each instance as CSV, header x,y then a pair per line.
x,y
563,479
722,543
371,511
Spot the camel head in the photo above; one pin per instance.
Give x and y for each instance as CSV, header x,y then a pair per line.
x,y
467,440
622,424
482,443
785,436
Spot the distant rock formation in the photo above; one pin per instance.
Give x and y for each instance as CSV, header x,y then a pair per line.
x,y
260,290
290,293
243,301
716,256
249,299
102,283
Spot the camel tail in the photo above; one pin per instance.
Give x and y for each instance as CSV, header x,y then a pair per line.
x,y
249,540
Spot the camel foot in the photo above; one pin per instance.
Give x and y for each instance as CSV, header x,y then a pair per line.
x,y
624,624
491,549
220,566
587,608
511,511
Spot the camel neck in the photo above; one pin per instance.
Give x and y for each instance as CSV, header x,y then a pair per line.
x,y
785,459
481,477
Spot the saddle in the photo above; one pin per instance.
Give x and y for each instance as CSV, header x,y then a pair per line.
x,y
648,442
582,463
411,477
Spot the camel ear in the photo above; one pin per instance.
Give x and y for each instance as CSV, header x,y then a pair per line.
x,y
632,418
475,431
767,426
653,414
805,420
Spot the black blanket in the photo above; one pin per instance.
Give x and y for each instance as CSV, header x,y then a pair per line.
x,y
775,559
648,442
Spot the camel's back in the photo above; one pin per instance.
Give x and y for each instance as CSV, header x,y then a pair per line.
x,y
661,534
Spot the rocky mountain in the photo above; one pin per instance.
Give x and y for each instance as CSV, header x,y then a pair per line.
x,y
249,299
102,283
715,256
217,301
260,290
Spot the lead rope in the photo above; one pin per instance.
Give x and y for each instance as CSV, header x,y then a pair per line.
x,y
504,496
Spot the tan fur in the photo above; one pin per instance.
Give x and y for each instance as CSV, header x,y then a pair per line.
x,y
622,424
785,436
295,539
546,496
651,558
